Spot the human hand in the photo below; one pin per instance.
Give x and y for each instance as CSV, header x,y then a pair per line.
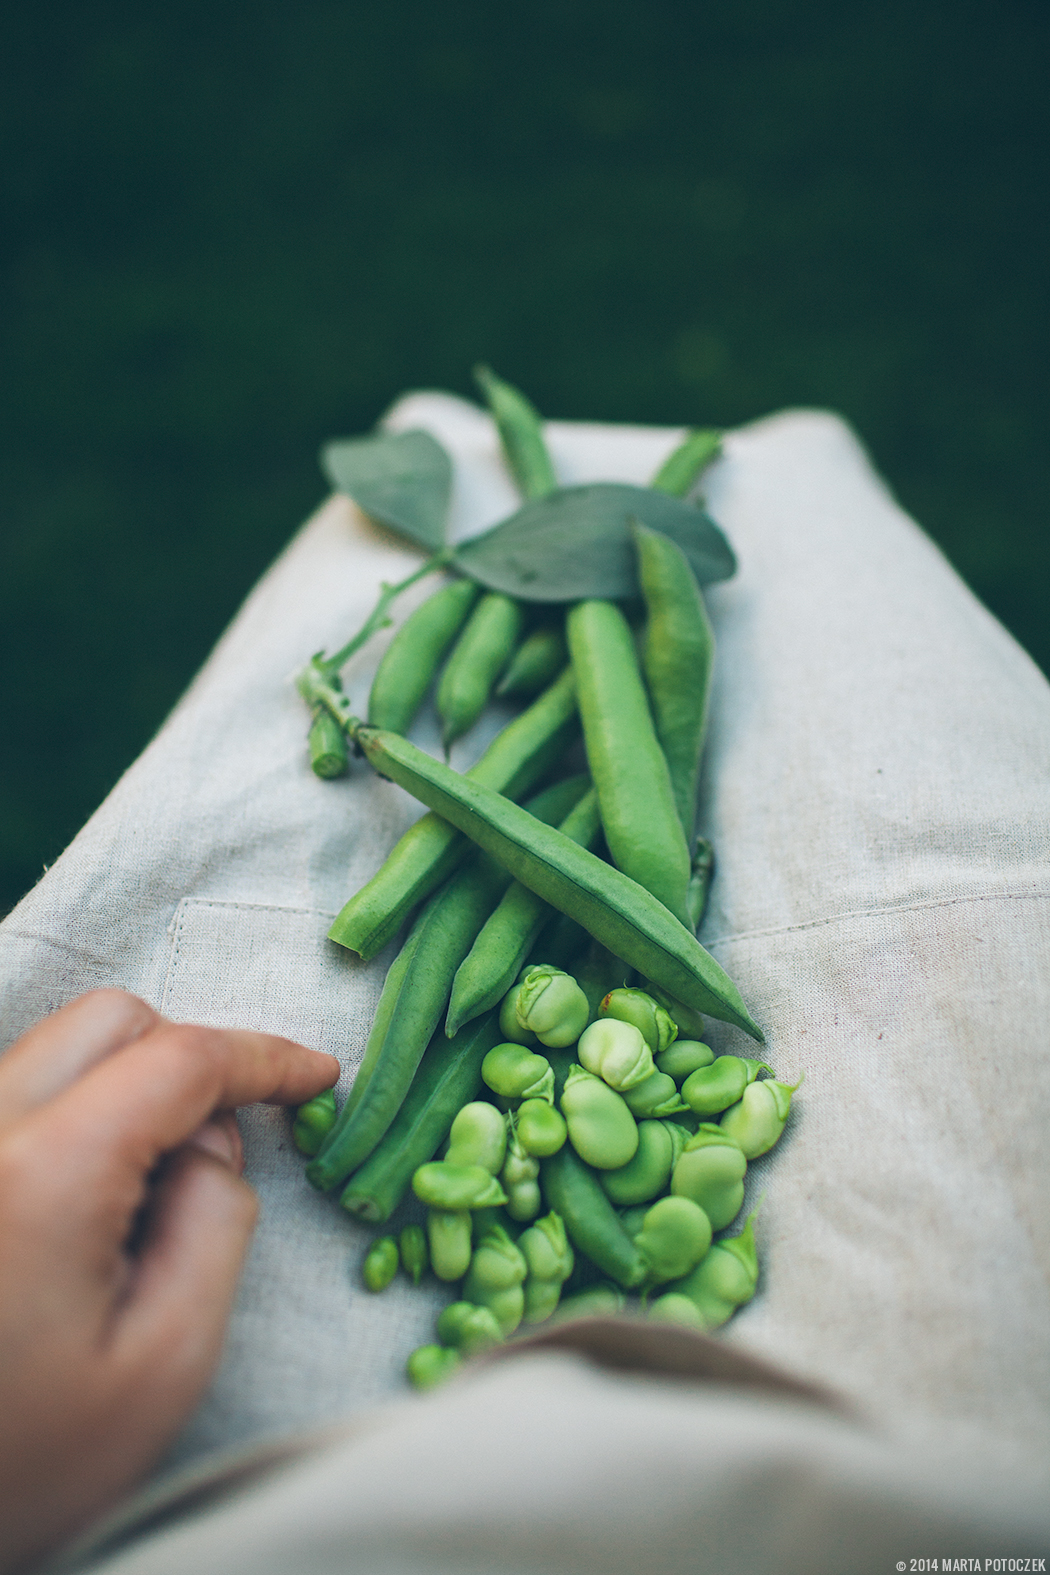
x,y
123,1225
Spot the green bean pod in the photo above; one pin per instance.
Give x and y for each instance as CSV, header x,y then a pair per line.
x,y
449,1076
431,849
414,996
478,657
494,961
415,653
700,881
614,909
521,434
538,660
682,467
677,658
327,745
639,814
572,1190
410,1008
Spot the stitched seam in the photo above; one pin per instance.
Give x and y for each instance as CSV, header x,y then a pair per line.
x,y
254,907
871,913
183,909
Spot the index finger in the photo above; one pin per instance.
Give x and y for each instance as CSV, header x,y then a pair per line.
x,y
148,1098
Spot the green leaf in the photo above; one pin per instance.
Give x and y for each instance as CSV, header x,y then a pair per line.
x,y
399,479
576,543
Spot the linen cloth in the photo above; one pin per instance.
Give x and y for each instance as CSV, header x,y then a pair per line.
x,y
876,787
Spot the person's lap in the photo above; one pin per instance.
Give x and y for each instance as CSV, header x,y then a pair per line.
x,y
875,788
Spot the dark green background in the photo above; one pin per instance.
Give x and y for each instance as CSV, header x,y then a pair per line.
x,y
231,231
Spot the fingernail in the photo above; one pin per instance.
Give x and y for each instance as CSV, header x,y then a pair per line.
x,y
221,1139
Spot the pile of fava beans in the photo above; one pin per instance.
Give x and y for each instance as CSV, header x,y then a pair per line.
x,y
572,1137
601,1165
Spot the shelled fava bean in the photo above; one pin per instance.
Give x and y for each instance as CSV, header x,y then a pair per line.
x,y
637,1148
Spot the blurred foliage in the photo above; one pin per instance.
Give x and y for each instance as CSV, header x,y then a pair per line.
x,y
232,232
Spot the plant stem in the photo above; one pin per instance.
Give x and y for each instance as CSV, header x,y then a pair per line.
x,y
378,618
318,682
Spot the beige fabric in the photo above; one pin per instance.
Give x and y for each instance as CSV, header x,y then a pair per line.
x,y
542,1464
877,791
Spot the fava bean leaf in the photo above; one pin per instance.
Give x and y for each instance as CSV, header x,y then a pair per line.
x,y
399,479
576,543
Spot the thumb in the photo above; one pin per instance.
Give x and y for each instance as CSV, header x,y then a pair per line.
x,y
170,1328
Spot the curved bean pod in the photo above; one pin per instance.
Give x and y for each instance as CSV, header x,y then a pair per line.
x,y
639,814
682,467
478,657
572,1190
521,434
415,654
700,881
614,909
539,658
677,658
430,850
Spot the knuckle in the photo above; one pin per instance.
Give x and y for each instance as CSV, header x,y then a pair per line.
x,y
194,1051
